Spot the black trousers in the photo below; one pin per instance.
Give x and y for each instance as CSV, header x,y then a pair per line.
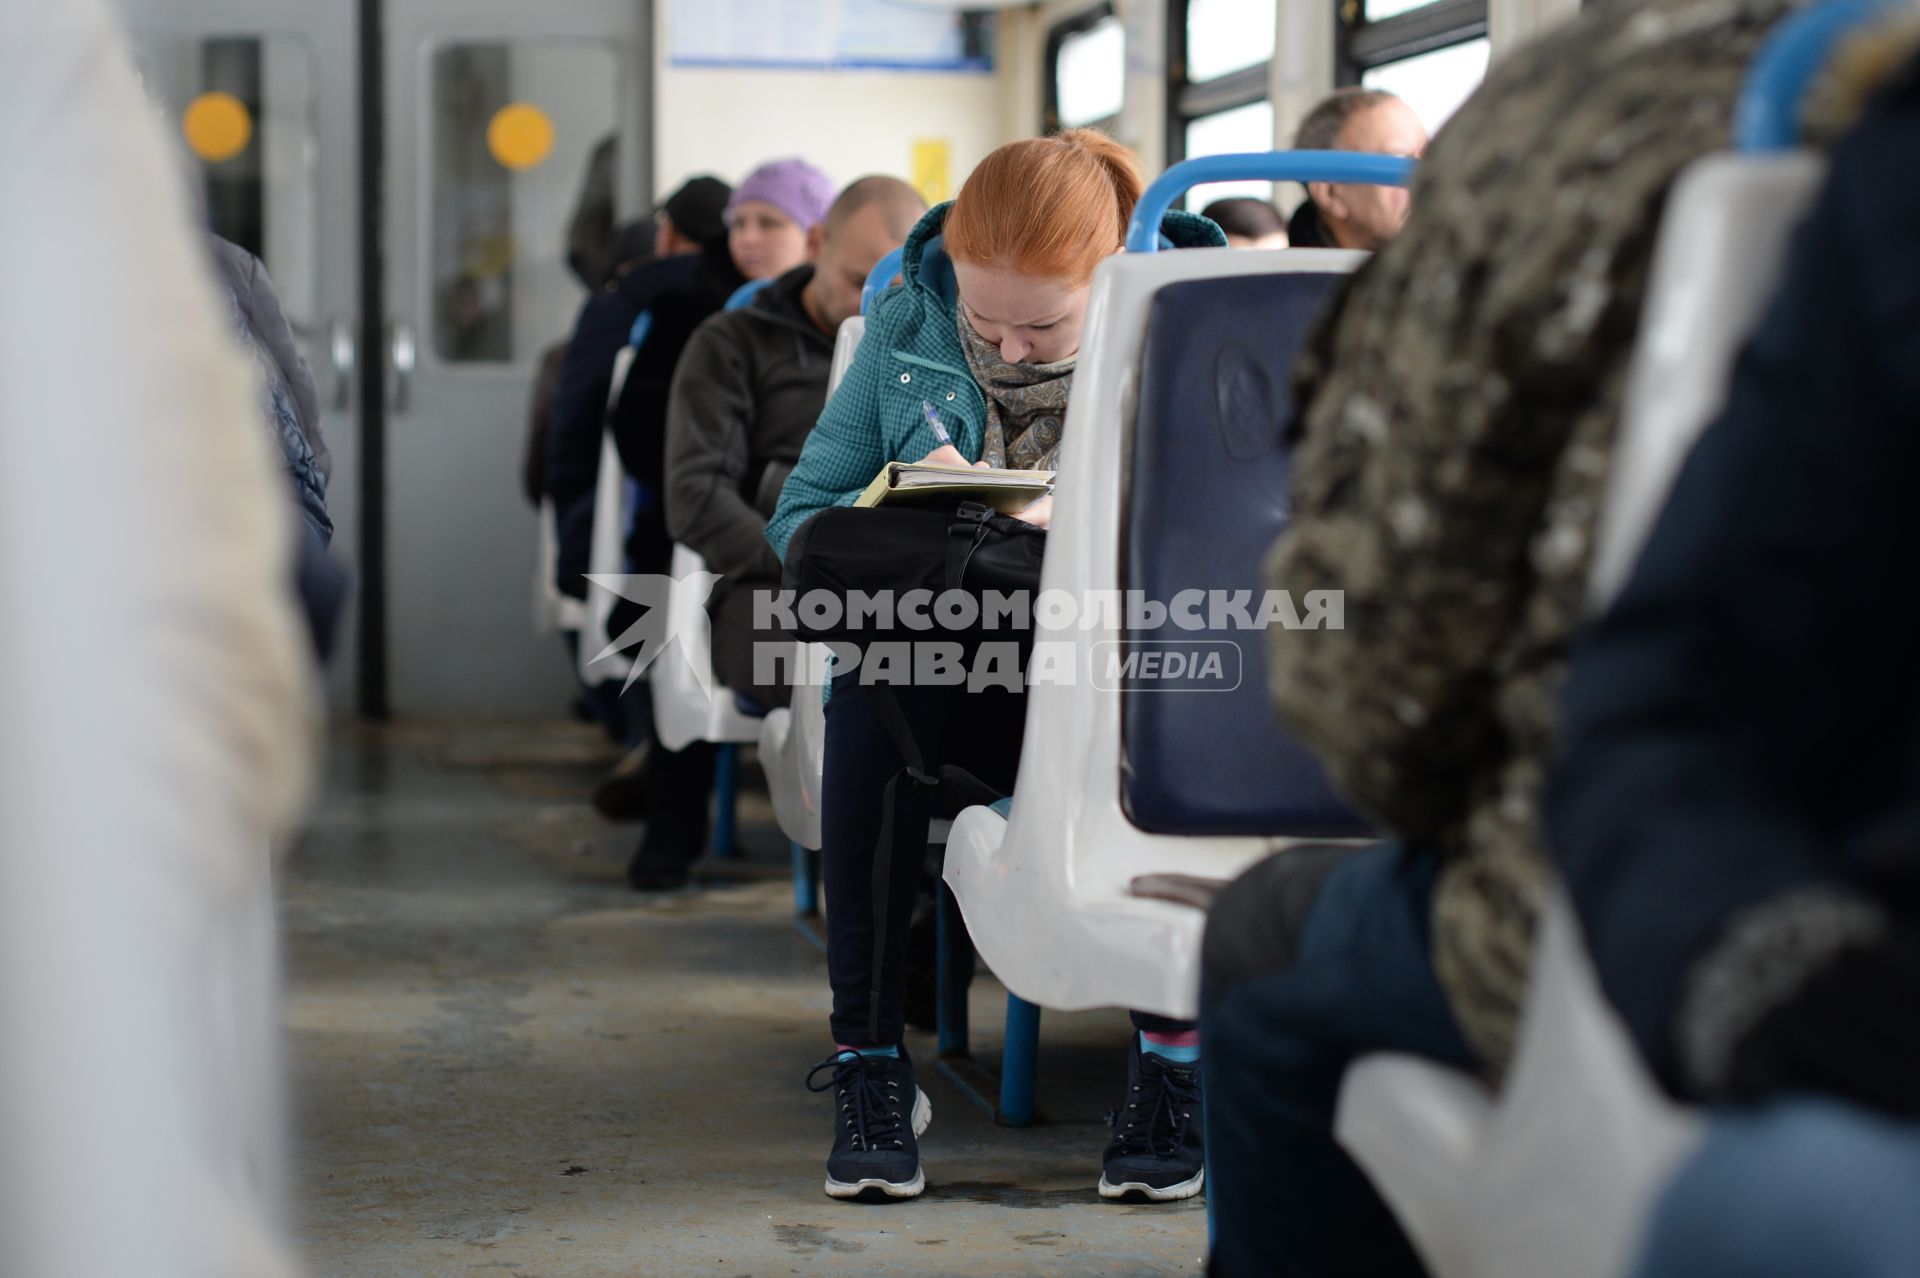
x,y
978,731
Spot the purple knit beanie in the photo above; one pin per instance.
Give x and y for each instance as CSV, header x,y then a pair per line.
x,y
793,186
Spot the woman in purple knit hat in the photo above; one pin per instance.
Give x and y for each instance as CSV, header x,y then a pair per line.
x,y
771,214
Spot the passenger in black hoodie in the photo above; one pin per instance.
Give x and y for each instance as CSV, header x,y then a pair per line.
x,y
749,388
686,287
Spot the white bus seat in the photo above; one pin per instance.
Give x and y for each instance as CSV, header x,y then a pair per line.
x,y
793,744
793,741
1718,258
845,343
607,556
1559,1171
1553,1178
1047,893
683,711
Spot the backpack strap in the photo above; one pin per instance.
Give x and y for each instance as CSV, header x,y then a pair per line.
x,y
956,786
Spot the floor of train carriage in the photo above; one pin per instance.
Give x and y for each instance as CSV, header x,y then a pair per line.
x,y
507,1063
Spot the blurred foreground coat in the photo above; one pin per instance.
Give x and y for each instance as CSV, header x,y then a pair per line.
x,y
158,730
1458,411
1735,805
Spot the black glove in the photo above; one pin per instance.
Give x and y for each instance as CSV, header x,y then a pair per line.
x,y
1853,1031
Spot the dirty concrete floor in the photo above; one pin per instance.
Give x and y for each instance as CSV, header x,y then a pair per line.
x,y
508,1064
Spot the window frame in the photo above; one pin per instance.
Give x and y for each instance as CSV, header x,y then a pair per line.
x,y
1188,102
1359,46
1057,36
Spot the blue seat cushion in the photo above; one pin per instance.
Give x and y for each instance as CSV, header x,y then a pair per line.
x,y
1201,751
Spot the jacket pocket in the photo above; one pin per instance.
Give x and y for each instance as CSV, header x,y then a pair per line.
x,y
917,391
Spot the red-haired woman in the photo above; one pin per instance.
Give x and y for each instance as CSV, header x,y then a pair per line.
x,y
979,344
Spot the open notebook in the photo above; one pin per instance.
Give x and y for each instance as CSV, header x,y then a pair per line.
x,y
1009,491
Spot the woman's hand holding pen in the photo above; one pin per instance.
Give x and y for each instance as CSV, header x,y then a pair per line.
x,y
946,455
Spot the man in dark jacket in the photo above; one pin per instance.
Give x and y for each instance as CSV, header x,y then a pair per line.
x,y
1737,801
655,309
1355,215
698,282
750,386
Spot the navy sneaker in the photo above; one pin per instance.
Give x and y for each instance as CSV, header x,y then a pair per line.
x,y
879,1113
1156,1152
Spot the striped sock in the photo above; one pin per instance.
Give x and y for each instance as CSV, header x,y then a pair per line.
x,y
1182,1048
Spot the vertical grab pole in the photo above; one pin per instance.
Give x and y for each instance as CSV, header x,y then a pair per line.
x,y
726,795
951,975
806,886
1019,1062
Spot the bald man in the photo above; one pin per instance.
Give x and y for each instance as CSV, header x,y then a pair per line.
x,y
745,395
1356,215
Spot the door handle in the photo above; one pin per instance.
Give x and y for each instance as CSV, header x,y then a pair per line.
x,y
405,353
341,347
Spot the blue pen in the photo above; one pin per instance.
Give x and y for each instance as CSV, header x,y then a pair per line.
x,y
933,420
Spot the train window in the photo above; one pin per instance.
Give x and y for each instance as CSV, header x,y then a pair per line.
x,y
1247,128
1089,67
1218,55
1434,84
513,131
1375,10
1226,35
244,110
1433,53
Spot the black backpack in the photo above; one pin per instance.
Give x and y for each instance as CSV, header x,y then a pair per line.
x,y
901,548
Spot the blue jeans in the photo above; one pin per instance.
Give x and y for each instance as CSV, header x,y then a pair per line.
x,y
1313,958
1805,1187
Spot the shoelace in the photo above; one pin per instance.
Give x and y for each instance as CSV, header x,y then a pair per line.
x,y
869,1096
1176,1094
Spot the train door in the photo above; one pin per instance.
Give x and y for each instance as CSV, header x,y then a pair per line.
x,y
263,96
498,115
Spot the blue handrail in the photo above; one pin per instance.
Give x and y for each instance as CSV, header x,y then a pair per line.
x,y
1767,115
746,292
883,271
1143,232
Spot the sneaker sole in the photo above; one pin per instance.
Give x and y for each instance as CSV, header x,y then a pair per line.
x,y
873,1186
1172,1193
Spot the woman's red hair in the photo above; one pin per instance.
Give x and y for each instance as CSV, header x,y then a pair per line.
x,y
1052,206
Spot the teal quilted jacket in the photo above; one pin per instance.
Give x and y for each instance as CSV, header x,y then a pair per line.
x,y
910,355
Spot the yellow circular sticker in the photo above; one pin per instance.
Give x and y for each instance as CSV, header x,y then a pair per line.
x,y
520,135
217,126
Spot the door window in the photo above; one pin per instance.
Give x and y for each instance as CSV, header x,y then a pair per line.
x,y
243,111
521,139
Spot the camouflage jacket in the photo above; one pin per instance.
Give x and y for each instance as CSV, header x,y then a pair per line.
x,y
1458,407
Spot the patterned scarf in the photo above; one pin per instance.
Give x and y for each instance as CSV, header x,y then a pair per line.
x,y
1026,403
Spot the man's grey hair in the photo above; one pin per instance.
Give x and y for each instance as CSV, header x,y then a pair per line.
x,y
1320,131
